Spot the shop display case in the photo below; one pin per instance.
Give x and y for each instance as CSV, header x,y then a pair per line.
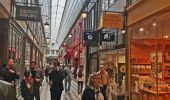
x,y
150,59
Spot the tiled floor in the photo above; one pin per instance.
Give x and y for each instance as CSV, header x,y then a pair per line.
x,y
73,95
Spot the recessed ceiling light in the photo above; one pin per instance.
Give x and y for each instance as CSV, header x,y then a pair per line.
x,y
154,24
166,36
141,29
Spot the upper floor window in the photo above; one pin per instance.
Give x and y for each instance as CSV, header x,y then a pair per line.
x,y
47,52
56,51
52,52
53,44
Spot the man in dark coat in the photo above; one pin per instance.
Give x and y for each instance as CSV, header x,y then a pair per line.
x,y
56,81
8,73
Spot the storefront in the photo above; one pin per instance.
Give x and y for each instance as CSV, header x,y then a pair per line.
x,y
115,63
148,41
27,53
15,47
149,54
76,43
112,52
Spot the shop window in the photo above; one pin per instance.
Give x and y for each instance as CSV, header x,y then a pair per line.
x,y
33,54
27,54
47,52
150,57
115,66
53,44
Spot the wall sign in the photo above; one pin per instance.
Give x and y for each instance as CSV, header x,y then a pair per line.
x,y
90,38
28,13
110,37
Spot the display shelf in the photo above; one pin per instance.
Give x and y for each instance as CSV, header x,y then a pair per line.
x,y
142,73
140,63
167,77
166,68
135,92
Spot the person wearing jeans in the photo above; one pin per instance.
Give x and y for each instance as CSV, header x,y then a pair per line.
x,y
68,78
80,86
80,80
67,85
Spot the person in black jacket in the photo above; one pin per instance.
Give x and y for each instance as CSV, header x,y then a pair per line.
x,y
92,91
8,73
56,81
26,86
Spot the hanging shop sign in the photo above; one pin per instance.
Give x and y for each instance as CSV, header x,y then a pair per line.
x,y
28,13
111,20
90,38
107,37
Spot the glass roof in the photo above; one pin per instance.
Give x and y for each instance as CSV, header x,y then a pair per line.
x,y
71,12
56,15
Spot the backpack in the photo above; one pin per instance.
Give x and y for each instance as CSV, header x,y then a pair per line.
x,y
80,73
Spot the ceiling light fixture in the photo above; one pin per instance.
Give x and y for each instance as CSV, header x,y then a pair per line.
x,y
154,24
141,29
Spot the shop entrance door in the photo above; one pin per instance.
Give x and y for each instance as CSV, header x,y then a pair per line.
x,y
3,40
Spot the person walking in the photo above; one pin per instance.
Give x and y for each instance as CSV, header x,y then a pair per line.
x,y
8,73
80,81
68,78
92,91
38,78
56,81
26,86
105,80
47,73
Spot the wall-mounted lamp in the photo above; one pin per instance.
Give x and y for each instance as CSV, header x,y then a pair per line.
x,y
70,35
64,43
47,39
123,31
46,25
84,15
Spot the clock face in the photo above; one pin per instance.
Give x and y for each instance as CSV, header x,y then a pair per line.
x,y
90,37
122,69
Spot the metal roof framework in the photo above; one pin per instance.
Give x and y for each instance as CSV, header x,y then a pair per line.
x,y
71,12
